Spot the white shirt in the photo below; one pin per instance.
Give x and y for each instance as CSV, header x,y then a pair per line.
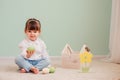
x,y
40,49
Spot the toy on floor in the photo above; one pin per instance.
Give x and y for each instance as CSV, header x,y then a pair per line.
x,y
48,70
45,71
51,69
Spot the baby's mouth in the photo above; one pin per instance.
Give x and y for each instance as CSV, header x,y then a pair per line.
x,y
32,36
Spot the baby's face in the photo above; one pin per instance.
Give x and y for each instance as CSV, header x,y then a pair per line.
x,y
32,34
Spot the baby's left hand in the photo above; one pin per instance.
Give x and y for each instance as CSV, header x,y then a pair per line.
x,y
30,51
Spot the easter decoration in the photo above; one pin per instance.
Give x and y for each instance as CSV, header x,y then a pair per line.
x,y
70,58
85,59
51,69
48,70
31,48
45,70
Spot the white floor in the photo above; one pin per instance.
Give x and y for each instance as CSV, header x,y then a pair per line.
x,y
100,70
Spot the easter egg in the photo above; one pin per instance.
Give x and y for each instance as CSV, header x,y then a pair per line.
x,y
51,70
31,48
45,71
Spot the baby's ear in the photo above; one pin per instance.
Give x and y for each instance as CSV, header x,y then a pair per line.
x,y
40,32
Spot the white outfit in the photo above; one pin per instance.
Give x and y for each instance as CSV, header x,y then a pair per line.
x,y
40,49
39,59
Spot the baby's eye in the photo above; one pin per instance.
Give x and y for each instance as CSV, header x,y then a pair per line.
x,y
29,31
35,31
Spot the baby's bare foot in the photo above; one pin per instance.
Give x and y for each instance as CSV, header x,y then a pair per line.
x,y
23,70
34,70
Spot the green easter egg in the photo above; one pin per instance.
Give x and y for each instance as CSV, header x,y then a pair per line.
x,y
51,70
31,48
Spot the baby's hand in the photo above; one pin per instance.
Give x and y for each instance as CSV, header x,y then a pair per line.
x,y
30,51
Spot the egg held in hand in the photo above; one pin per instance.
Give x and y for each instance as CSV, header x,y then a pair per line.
x,y
31,48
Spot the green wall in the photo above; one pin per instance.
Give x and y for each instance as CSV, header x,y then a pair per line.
x,y
76,22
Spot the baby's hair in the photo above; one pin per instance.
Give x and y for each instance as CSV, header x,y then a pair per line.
x,y
33,24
